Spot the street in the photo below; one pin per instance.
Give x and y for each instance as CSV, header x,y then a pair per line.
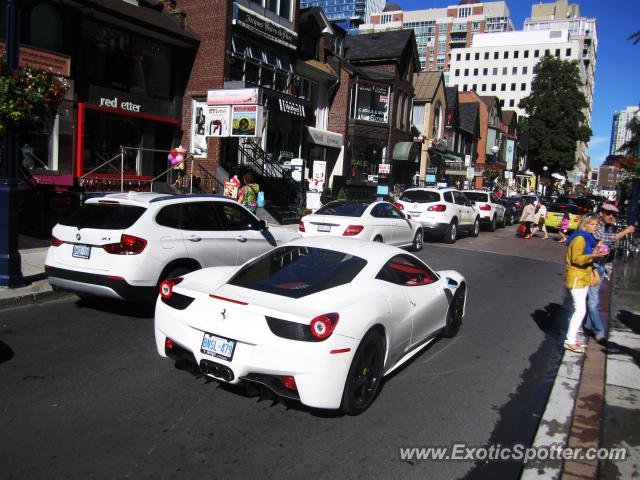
x,y
85,394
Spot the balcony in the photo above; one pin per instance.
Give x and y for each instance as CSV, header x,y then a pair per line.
x,y
458,39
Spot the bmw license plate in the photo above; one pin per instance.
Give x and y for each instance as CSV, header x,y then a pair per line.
x,y
218,347
414,214
324,228
81,251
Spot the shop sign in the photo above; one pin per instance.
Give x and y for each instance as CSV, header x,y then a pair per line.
x,y
264,27
238,96
511,149
246,120
318,178
130,103
325,138
217,121
296,169
43,59
384,168
373,102
198,129
119,104
291,108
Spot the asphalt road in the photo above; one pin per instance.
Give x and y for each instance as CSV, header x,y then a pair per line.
x,y
85,395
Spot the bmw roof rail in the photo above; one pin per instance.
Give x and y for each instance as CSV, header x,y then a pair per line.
x,y
187,195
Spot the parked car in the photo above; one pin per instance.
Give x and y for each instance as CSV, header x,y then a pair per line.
x,y
374,221
320,320
517,203
490,208
510,216
556,211
586,205
123,245
441,212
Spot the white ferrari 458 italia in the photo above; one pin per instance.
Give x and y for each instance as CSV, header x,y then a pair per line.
x,y
318,320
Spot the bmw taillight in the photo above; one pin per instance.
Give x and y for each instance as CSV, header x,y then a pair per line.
x,y
399,206
166,287
301,226
56,242
128,245
323,325
485,207
353,230
437,208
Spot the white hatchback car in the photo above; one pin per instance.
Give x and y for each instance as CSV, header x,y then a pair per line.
x,y
490,207
124,245
375,221
441,212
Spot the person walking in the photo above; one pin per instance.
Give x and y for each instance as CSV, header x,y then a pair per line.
x,y
605,233
248,193
542,219
564,228
579,259
527,218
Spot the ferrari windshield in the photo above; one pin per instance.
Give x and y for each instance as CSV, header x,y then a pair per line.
x,y
296,272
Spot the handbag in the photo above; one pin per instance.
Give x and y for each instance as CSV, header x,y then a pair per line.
x,y
595,278
260,199
521,229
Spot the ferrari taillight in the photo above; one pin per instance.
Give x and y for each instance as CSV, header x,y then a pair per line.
x,y
128,245
323,325
288,382
166,287
353,230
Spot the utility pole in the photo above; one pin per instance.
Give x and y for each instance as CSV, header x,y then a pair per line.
x,y
10,264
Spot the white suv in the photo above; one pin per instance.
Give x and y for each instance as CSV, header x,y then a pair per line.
x,y
490,207
441,212
123,245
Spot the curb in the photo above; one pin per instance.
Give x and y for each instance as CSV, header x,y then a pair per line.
x,y
31,297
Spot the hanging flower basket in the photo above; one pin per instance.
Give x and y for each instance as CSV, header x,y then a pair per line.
x,y
28,94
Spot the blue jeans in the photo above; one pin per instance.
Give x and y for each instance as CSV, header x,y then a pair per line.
x,y
594,322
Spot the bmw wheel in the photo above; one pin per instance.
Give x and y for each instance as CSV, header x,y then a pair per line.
x,y
451,234
417,241
456,310
492,225
476,227
365,374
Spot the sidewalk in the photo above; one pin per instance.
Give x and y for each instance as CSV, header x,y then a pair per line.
x,y
595,399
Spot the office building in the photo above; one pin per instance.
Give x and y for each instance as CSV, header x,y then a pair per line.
x,y
348,14
440,31
620,133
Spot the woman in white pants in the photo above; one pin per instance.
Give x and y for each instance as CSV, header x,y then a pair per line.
x,y
582,249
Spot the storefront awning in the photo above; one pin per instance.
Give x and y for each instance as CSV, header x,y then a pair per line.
x,y
406,151
324,137
447,156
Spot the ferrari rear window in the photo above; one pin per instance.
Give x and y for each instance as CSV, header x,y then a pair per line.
x,y
343,209
420,196
296,272
477,196
106,216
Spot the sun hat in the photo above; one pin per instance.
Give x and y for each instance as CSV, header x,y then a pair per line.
x,y
609,207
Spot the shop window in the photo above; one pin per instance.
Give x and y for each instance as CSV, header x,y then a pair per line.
x,y
236,67
371,102
282,80
266,76
151,72
46,28
252,72
285,9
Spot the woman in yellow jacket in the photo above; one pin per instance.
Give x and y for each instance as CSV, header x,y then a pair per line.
x,y
583,248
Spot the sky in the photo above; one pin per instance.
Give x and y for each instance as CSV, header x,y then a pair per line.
x,y
617,83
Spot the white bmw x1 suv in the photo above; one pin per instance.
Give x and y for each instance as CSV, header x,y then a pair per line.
x,y
124,245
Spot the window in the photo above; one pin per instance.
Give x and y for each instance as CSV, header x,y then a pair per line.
x,y
511,102
523,86
524,70
495,71
475,72
200,216
506,54
516,53
464,88
421,196
169,216
493,87
443,27
102,216
466,72
457,72
474,87
483,87
464,12
459,198
547,52
496,55
503,87
475,26
442,48
234,217
557,53
504,70
568,52
467,56
486,55
406,271
501,103
536,53
526,54
485,71
442,37
513,87
458,57
477,56
372,102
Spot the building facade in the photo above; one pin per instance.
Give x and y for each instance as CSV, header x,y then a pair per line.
x,y
620,133
347,14
440,31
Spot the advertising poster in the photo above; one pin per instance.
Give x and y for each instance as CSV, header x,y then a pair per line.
x,y
198,129
246,120
231,190
217,121
318,178
511,150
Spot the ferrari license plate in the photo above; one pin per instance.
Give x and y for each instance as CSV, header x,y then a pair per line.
x,y
218,347
81,251
324,228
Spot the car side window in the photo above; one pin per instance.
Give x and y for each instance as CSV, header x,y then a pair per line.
x,y
169,216
200,216
448,197
406,271
459,198
378,212
234,217
391,211
494,198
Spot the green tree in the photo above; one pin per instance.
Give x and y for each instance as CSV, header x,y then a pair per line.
x,y
556,118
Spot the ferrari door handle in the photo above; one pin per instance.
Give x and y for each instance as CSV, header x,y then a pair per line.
x,y
241,239
194,238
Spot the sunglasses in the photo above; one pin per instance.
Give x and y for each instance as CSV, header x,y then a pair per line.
x,y
609,213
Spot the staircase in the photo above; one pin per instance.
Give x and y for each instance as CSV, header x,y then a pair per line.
x,y
283,196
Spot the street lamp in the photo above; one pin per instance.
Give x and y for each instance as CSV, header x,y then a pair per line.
x,y
544,175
